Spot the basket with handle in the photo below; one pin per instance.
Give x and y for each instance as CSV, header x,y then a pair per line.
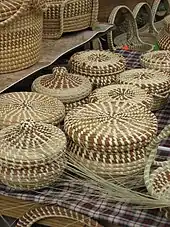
x,y
21,24
68,16
131,39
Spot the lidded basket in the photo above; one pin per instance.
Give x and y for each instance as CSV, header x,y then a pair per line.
x,y
68,16
21,24
32,154
20,106
101,67
154,82
70,88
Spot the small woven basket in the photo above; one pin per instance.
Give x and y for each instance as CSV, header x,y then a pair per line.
x,y
154,82
21,24
68,16
71,89
164,35
100,67
158,60
18,106
132,39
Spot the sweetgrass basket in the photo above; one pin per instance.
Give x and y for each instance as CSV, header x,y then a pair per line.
x,y
164,35
131,38
21,24
68,16
63,217
71,89
154,82
100,67
19,106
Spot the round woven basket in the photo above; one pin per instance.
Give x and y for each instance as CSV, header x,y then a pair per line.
x,y
100,67
122,93
18,106
154,82
63,217
21,24
130,37
71,89
158,60
68,16
32,154
108,127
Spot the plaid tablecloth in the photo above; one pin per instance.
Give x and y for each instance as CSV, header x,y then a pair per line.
x,y
68,195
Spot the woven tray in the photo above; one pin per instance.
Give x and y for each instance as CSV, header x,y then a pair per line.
x,y
108,127
154,82
158,60
21,24
18,106
122,93
132,39
68,16
101,67
32,154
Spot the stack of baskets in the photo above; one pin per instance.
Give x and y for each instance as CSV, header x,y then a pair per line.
x,y
21,26
154,82
20,106
109,138
101,67
71,89
32,154
68,16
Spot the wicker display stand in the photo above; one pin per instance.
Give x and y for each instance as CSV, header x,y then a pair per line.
x,y
68,16
21,24
101,67
71,89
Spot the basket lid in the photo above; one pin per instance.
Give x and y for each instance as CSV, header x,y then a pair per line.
x,y
122,93
18,106
111,127
65,86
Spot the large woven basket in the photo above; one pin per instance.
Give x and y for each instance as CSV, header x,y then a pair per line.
x,y
69,88
18,106
32,154
154,82
131,38
21,24
68,16
100,67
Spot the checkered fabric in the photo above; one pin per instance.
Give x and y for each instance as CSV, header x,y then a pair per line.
x,y
70,196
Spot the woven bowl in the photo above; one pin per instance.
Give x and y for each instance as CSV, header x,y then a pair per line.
x,y
108,127
101,67
18,106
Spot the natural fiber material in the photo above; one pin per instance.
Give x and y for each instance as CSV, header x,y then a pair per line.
x,y
108,127
101,67
154,82
68,16
18,106
32,154
122,93
158,60
63,217
164,40
21,24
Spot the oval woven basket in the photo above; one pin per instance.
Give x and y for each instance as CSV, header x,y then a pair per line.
x,y
100,67
32,154
71,89
122,93
21,24
108,127
68,16
158,60
132,39
18,106
63,217
154,82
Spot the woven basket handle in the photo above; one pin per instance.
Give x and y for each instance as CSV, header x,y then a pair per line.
x,y
150,23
